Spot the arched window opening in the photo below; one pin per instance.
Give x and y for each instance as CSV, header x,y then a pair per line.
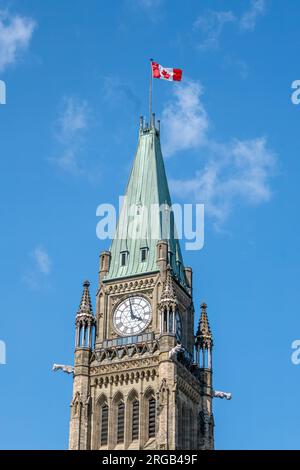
x,y
151,417
135,419
171,321
120,422
104,425
165,320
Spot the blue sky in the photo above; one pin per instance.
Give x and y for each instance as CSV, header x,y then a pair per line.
x,y
77,81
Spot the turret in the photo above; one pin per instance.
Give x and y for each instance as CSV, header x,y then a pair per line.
x,y
104,265
204,344
85,320
204,341
168,306
80,416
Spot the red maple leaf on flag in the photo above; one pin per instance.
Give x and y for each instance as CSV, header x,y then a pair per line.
x,y
166,73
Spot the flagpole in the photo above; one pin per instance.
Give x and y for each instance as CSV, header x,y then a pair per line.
x,y
150,94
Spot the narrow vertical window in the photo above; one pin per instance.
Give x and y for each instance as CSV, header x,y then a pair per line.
x,y
120,422
124,258
165,321
151,417
144,254
171,321
104,425
135,419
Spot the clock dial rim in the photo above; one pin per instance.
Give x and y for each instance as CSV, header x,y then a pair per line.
x,y
145,324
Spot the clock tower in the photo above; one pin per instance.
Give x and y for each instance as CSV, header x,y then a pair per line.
x,y
142,379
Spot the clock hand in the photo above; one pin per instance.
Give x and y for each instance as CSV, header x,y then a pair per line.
x,y
132,314
138,317
130,306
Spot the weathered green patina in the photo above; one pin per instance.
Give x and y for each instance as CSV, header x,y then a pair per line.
x,y
145,216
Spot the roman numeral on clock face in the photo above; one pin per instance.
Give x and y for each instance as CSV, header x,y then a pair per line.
x,y
132,316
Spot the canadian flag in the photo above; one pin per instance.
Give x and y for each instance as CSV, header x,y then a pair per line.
x,y
158,71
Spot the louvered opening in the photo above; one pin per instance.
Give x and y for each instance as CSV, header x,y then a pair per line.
x,y
151,417
135,419
120,422
104,425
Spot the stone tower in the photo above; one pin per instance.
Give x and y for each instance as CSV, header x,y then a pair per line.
x,y
142,380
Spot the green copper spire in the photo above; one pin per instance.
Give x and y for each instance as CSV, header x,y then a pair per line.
x,y
145,216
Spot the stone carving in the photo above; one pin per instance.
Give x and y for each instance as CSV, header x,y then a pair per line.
x,y
76,403
131,286
163,392
222,395
129,377
66,369
173,352
118,352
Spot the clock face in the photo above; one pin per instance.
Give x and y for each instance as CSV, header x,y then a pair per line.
x,y
132,316
178,327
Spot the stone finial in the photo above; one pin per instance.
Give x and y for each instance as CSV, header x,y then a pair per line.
x,y
204,334
85,320
168,294
85,307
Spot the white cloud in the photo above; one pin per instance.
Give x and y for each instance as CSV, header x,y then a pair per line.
x,y
15,35
249,18
71,125
73,118
232,173
39,269
42,260
210,25
185,119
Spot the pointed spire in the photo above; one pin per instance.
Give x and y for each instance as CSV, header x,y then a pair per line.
x,y
142,215
85,320
168,294
204,335
85,307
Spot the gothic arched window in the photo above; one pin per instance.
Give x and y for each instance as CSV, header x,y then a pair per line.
x,y
104,424
120,422
135,419
151,417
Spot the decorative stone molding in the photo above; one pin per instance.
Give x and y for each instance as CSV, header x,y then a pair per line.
x,y
125,378
117,353
115,299
123,366
182,297
76,405
130,286
188,390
